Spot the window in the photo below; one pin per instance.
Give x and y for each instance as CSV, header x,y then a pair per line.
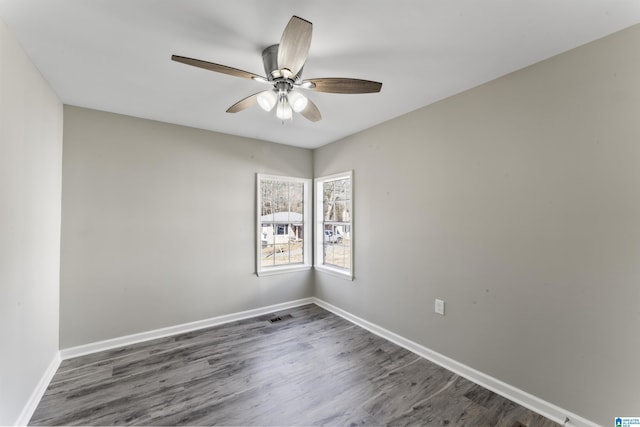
x,y
283,242
334,224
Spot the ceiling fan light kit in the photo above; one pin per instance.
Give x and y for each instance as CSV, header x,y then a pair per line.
x,y
283,64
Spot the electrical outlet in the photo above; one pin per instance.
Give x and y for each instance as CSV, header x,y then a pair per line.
x,y
440,306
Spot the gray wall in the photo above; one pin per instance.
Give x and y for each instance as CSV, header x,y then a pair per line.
x,y
518,203
158,225
30,179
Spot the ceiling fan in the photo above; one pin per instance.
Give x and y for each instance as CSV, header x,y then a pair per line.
x,y
283,65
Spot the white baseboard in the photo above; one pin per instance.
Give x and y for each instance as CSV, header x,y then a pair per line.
x,y
521,397
38,392
126,340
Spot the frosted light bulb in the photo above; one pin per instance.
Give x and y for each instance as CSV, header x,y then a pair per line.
x,y
267,100
284,112
298,101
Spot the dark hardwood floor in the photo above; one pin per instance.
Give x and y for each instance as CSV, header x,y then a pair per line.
x,y
314,368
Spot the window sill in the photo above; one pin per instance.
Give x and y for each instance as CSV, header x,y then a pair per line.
x,y
281,270
342,274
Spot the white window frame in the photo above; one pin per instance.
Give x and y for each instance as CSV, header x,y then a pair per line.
x,y
319,227
307,225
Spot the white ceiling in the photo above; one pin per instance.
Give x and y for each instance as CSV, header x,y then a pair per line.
x,y
114,55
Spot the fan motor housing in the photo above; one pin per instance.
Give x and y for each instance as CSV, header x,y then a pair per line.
x,y
270,61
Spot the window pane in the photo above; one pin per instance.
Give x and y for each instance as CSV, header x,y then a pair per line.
x,y
296,246
328,191
328,253
267,240
266,197
328,211
336,200
282,197
346,192
338,256
296,194
340,211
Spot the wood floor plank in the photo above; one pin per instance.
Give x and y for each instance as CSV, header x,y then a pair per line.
x,y
314,368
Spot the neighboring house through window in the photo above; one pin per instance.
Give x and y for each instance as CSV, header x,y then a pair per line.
x,y
284,234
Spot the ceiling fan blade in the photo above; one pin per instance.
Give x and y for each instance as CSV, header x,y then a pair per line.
x,y
245,103
344,85
294,45
311,112
216,67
